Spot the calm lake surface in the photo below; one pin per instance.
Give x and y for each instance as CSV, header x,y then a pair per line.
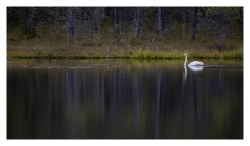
x,y
124,99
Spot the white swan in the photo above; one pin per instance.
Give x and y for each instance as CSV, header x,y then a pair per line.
x,y
194,63
196,68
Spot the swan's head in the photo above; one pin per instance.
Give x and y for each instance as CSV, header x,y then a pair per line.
x,y
185,54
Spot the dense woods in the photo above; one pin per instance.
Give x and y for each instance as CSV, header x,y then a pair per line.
x,y
46,28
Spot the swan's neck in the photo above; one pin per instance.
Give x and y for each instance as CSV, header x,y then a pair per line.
x,y
185,60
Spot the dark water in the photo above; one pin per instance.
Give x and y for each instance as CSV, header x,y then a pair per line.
x,y
123,99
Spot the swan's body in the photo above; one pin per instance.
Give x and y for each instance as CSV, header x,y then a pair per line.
x,y
196,68
194,63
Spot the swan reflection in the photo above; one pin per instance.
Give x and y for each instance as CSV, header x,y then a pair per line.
x,y
194,69
185,74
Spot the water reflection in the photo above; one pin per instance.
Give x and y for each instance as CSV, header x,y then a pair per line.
x,y
194,70
139,101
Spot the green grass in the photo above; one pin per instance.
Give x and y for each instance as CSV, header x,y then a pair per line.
x,y
122,53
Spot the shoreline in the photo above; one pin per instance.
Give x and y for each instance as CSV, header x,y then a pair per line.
x,y
124,54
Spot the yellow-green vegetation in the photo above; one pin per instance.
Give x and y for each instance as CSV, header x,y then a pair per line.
x,y
157,50
115,52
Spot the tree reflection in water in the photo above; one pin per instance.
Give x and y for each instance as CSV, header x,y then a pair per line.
x,y
124,101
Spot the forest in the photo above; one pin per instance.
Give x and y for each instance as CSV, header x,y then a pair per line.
x,y
124,32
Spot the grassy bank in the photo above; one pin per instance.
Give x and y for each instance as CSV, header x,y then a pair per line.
x,y
133,54
147,51
103,45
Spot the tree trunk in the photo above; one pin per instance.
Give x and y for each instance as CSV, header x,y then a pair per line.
x,y
82,19
159,19
92,26
115,21
220,29
194,25
184,22
125,26
55,30
98,15
120,19
137,21
209,25
67,25
67,36
71,26
164,20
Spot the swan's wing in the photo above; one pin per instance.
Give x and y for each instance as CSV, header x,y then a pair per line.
x,y
196,68
196,63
